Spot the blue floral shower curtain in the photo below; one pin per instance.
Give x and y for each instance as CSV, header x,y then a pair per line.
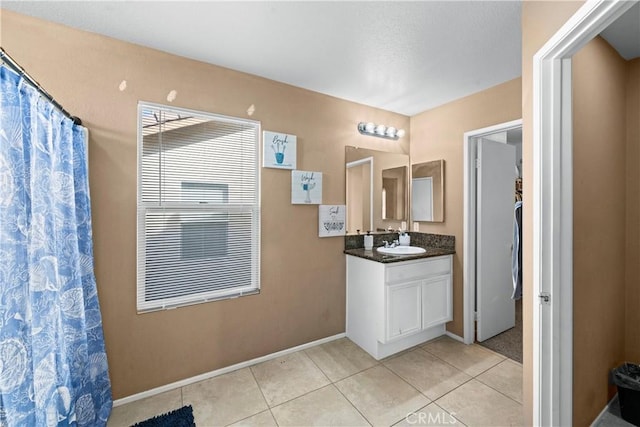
x,y
53,365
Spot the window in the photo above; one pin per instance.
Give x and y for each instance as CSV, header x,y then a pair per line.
x,y
198,207
204,236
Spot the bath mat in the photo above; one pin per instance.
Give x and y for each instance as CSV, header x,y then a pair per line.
x,y
182,417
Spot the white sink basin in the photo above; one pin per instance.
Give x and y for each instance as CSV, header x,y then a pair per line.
x,y
401,250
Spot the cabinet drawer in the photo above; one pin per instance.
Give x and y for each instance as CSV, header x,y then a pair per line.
x,y
422,268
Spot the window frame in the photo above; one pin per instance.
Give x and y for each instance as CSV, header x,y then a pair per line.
x,y
142,208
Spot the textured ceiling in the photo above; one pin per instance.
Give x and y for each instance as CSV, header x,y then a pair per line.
x,y
405,57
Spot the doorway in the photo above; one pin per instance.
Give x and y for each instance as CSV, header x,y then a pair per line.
x,y
552,204
488,256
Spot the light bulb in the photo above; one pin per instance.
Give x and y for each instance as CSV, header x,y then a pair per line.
x,y
369,127
391,132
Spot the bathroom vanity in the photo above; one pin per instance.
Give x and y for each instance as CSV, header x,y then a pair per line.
x,y
396,302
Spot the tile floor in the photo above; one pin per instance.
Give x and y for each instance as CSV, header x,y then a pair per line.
x,y
441,382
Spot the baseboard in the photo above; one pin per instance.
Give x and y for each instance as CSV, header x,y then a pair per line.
x,y
603,412
454,336
217,372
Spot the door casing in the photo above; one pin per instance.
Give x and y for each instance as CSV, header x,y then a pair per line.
x,y
469,230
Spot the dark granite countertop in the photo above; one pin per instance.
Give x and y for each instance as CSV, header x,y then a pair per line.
x,y
374,255
435,244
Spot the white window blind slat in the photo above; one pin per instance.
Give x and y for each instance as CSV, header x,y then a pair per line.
x,y
198,207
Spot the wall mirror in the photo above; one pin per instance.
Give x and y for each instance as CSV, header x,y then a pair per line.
x,y
427,191
376,189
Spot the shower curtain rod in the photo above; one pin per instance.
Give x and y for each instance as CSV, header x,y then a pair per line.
x,y
11,63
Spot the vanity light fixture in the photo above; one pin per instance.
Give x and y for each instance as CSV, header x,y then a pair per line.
x,y
381,131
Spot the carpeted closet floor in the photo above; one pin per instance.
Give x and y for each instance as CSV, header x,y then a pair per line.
x,y
509,343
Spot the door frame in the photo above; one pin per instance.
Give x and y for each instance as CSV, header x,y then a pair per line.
x,y
469,230
553,210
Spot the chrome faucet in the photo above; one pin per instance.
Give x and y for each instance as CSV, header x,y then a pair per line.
x,y
392,244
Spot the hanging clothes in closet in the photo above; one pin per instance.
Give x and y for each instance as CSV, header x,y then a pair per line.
x,y
516,253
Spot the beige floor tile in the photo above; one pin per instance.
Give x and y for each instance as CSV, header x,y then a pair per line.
x,y
472,359
340,359
506,377
263,419
427,373
324,407
225,399
381,396
141,410
476,404
431,415
288,377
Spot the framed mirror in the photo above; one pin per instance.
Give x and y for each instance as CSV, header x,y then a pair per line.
x,y
427,191
376,189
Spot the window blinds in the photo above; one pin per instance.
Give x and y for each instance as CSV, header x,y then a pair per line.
x,y
198,207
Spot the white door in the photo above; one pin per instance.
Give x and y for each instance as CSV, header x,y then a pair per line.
x,y
495,203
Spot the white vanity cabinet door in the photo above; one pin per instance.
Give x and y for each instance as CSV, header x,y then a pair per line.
x,y
437,307
403,309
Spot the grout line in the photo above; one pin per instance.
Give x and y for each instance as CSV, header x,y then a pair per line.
x,y
502,393
259,388
499,391
452,390
273,416
408,383
356,373
303,394
315,364
472,377
411,385
246,418
352,404
449,412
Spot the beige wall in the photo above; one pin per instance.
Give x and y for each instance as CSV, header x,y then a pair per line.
x,y
599,145
438,134
303,292
632,312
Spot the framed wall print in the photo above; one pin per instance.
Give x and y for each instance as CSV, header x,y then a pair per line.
x,y
278,150
331,220
306,188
